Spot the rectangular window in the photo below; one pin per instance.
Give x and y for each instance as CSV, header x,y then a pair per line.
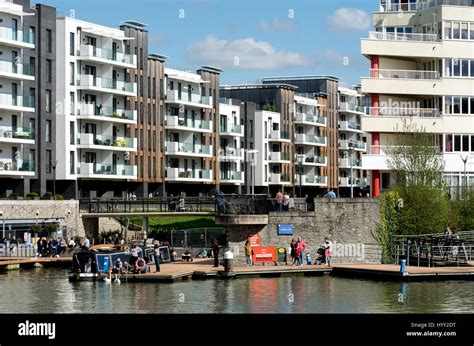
x,y
49,158
471,111
32,33
448,143
465,143
465,68
48,131
472,143
72,73
49,40
456,105
464,31
456,67
447,30
49,71
456,30
457,143
71,133
472,67
72,44
72,103
32,65
48,101
465,105
72,165
448,105
471,30
251,128
448,64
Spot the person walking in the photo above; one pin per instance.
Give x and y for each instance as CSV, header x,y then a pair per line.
x,y
156,255
278,201
328,251
297,253
215,252
248,253
302,245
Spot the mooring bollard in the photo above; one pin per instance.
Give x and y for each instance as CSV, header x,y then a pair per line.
x,y
403,266
228,261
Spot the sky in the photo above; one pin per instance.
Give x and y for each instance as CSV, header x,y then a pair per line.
x,y
248,39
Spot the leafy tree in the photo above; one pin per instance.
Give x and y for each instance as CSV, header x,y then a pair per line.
x,y
388,226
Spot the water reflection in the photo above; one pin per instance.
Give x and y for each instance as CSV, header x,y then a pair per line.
x,y
45,291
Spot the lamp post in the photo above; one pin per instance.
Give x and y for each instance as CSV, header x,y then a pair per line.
x,y
464,160
53,166
299,159
351,180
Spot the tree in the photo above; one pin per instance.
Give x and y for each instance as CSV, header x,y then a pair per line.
x,y
388,226
414,159
418,166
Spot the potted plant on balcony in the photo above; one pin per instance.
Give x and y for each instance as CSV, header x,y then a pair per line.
x,y
120,143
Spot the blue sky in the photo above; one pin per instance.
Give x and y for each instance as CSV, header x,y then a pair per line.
x,y
248,39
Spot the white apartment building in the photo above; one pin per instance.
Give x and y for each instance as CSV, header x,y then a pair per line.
x,y
231,149
185,127
422,69
352,140
309,141
16,161
93,139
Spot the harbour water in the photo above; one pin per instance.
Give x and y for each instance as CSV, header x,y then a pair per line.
x,y
49,291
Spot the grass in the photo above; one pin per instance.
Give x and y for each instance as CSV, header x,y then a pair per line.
x,y
177,222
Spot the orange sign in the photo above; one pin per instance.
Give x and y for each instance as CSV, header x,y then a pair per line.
x,y
254,239
264,254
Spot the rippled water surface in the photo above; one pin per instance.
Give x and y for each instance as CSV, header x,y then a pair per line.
x,y
49,291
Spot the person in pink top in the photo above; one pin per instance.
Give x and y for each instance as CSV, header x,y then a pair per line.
x,y
302,250
279,201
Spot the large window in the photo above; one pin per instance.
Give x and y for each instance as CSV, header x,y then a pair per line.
x,y
458,30
458,143
71,73
49,71
72,44
49,40
71,162
49,158
71,133
459,105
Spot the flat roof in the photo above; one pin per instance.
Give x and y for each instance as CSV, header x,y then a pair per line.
x,y
308,77
212,69
259,86
156,56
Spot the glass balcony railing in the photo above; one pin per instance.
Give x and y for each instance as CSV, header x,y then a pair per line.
x,y
16,166
16,132
313,159
108,54
104,140
232,129
404,112
18,35
395,36
16,101
20,69
315,179
105,83
231,175
174,95
188,148
109,169
404,74
174,120
230,151
310,139
98,110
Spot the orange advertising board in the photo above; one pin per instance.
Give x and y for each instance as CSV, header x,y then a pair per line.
x,y
254,239
264,254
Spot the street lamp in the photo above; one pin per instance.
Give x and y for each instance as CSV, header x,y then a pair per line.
x,y
351,181
53,166
299,159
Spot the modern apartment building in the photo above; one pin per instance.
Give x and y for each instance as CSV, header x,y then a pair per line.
x,y
422,71
231,146
27,98
352,140
94,143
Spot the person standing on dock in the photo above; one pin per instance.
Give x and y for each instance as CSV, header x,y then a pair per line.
x,y
156,255
278,201
248,253
133,255
302,246
328,252
215,252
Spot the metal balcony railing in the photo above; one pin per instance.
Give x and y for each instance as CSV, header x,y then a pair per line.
x,y
404,74
392,36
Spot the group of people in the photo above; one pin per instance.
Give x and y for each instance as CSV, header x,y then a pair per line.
x,y
175,203
297,251
53,247
284,202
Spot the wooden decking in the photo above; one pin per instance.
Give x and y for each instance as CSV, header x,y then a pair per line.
x,y
12,263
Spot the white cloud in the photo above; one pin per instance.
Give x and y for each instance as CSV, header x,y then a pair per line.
x,y
278,25
347,19
244,53
156,39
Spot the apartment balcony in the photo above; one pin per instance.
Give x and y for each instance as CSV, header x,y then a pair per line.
x,y
17,135
107,56
231,154
312,160
403,82
106,85
16,168
104,142
356,145
16,71
189,176
91,111
232,131
192,100
16,39
347,181
106,171
188,149
392,119
17,104
278,157
350,126
348,163
310,119
351,108
180,123
376,158
232,177
278,178
279,136
304,139
311,180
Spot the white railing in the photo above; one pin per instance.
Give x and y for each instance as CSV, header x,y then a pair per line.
x,y
434,3
404,112
404,74
387,149
391,36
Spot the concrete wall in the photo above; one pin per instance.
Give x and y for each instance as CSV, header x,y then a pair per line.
x,y
66,213
348,223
